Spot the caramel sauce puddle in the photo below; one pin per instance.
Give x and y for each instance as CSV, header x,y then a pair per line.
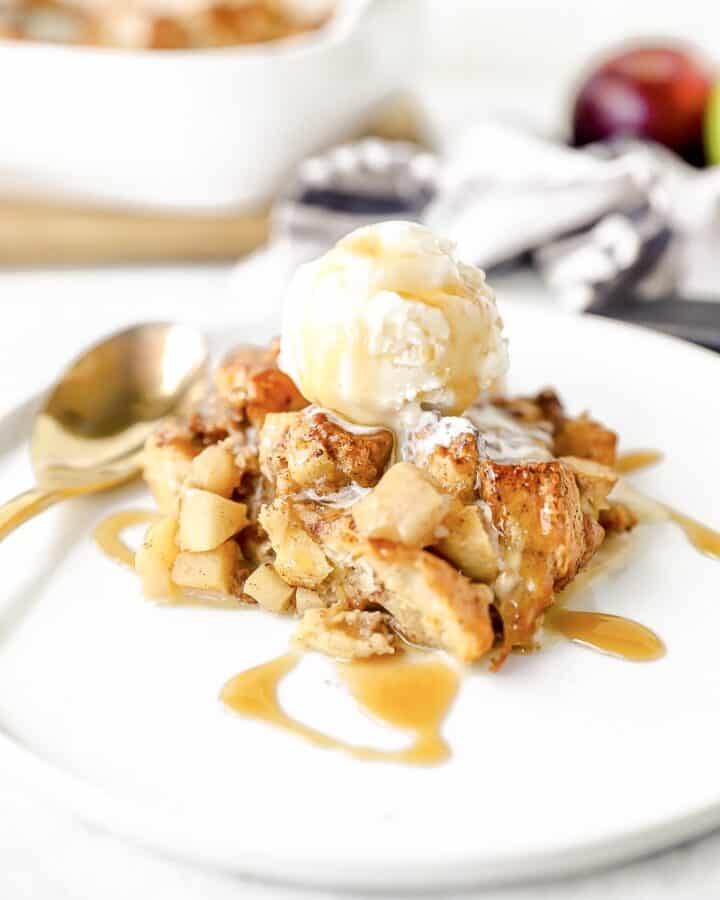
x,y
108,533
108,537
608,633
703,538
416,696
413,696
611,634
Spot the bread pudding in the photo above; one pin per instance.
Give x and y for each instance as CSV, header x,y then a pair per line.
x,y
159,24
449,528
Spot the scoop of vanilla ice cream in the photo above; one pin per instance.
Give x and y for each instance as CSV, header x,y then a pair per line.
x,y
389,321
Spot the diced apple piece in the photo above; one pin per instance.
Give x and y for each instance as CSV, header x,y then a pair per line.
x,y
166,464
155,558
298,558
306,599
214,470
212,570
404,507
207,520
269,590
468,545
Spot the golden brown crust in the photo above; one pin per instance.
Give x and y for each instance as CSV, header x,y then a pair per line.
x,y
582,436
309,451
546,537
250,382
585,438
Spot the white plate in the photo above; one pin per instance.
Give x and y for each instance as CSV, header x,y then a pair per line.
x,y
566,759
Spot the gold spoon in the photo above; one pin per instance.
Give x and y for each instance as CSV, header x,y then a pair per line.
x,y
89,435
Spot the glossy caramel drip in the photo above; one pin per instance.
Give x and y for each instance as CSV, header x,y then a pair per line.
x,y
611,634
413,696
108,538
634,460
108,533
704,539
408,695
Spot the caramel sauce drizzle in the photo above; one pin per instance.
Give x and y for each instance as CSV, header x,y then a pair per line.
x,y
108,534
634,460
612,634
704,539
108,537
413,696
602,631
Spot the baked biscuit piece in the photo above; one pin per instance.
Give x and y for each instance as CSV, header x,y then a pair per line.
x,y
346,634
582,436
308,450
251,383
545,537
585,438
430,602
452,465
353,583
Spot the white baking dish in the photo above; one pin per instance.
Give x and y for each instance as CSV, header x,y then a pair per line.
x,y
196,130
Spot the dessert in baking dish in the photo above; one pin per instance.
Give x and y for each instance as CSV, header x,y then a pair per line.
x,y
368,475
160,24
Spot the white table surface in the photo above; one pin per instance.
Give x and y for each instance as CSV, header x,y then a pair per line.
x,y
45,854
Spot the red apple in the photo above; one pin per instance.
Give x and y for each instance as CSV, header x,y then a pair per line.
x,y
656,93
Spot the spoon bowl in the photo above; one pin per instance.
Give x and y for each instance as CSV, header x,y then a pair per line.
x,y
93,425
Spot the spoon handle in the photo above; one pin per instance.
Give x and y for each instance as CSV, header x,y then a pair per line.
x,y
24,507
